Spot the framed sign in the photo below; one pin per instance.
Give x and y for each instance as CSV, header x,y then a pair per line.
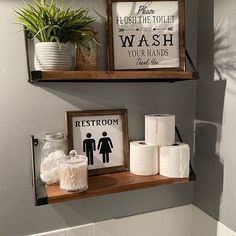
x,y
146,34
102,136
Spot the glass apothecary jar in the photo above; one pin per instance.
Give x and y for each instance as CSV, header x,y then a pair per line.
x,y
53,150
74,173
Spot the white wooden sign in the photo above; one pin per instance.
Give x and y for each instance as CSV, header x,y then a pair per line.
x,y
146,34
102,136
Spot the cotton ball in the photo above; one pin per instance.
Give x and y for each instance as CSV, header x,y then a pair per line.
x,y
45,177
55,174
47,164
58,154
50,177
52,160
50,167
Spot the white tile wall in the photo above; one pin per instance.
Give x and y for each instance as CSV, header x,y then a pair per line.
x,y
222,230
178,221
129,226
182,232
177,218
203,224
83,230
105,228
169,222
152,223
173,221
53,233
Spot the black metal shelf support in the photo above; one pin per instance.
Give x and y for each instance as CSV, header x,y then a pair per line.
x,y
40,194
193,67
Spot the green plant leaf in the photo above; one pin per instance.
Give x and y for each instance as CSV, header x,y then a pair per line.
x,y
51,21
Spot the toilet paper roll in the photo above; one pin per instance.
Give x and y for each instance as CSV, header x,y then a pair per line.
x,y
160,129
143,158
174,160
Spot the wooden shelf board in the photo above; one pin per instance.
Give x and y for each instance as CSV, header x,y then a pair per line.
x,y
112,76
105,184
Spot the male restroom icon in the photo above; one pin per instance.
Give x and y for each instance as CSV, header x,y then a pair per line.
x,y
89,146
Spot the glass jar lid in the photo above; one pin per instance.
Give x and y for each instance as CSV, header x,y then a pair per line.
x,y
74,158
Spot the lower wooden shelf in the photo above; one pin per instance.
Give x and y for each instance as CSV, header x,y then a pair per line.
x,y
98,185
112,76
102,185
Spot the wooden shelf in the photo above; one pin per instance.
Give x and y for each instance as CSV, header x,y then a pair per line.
x,y
112,76
102,185
99,185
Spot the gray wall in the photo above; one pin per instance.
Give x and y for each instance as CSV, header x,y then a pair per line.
x,y
215,161
29,109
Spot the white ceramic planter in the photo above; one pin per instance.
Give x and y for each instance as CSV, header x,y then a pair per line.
x,y
49,56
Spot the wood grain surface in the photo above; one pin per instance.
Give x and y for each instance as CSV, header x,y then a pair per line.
x,y
110,183
113,76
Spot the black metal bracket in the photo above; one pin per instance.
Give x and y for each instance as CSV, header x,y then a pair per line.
x,y
192,175
40,194
26,37
193,67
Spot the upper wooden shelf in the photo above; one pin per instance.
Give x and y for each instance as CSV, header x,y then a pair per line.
x,y
112,76
102,185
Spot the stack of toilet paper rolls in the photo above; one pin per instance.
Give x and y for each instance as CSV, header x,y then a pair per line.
x,y
159,152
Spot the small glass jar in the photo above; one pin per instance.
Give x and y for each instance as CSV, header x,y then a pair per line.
x,y
86,53
52,152
74,173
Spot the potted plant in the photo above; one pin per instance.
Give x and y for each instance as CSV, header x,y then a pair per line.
x,y
55,26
